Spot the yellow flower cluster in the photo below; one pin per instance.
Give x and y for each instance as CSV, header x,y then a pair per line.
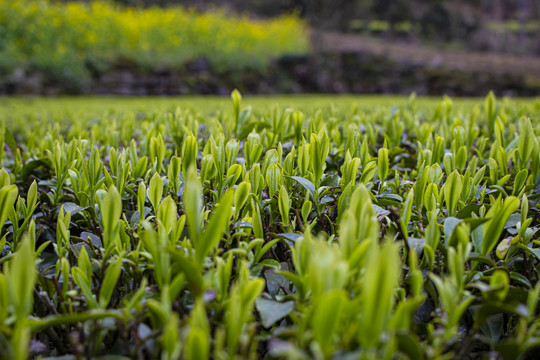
x,y
56,36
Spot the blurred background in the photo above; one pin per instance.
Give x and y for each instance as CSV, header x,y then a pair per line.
x,y
166,47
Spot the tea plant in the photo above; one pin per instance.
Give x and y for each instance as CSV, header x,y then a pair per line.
x,y
325,232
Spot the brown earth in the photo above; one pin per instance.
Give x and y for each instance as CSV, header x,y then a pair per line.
x,y
415,54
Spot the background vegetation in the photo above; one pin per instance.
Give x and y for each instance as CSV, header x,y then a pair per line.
x,y
74,41
143,47
492,25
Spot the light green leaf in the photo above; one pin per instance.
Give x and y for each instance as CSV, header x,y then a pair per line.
x,y
494,227
217,225
109,282
155,190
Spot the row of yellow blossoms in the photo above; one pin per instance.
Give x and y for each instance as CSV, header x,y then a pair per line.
x,y
52,35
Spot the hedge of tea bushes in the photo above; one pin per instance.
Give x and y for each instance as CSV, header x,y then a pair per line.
x,y
75,41
330,232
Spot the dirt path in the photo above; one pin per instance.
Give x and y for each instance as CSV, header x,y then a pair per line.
x,y
421,55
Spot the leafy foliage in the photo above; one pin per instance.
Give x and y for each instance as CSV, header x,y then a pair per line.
x,y
70,41
334,232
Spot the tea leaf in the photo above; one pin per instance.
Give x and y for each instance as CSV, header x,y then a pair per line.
x,y
494,227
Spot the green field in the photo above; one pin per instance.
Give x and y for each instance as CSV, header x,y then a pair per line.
x,y
299,227
15,107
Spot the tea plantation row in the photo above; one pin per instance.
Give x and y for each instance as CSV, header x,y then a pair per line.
x,y
356,230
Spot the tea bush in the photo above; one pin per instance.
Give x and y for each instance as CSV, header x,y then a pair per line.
x,y
361,230
68,41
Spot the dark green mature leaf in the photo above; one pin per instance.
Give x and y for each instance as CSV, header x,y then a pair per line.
x,y
291,238
379,211
272,311
485,311
73,208
494,327
275,282
533,251
308,185
451,223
